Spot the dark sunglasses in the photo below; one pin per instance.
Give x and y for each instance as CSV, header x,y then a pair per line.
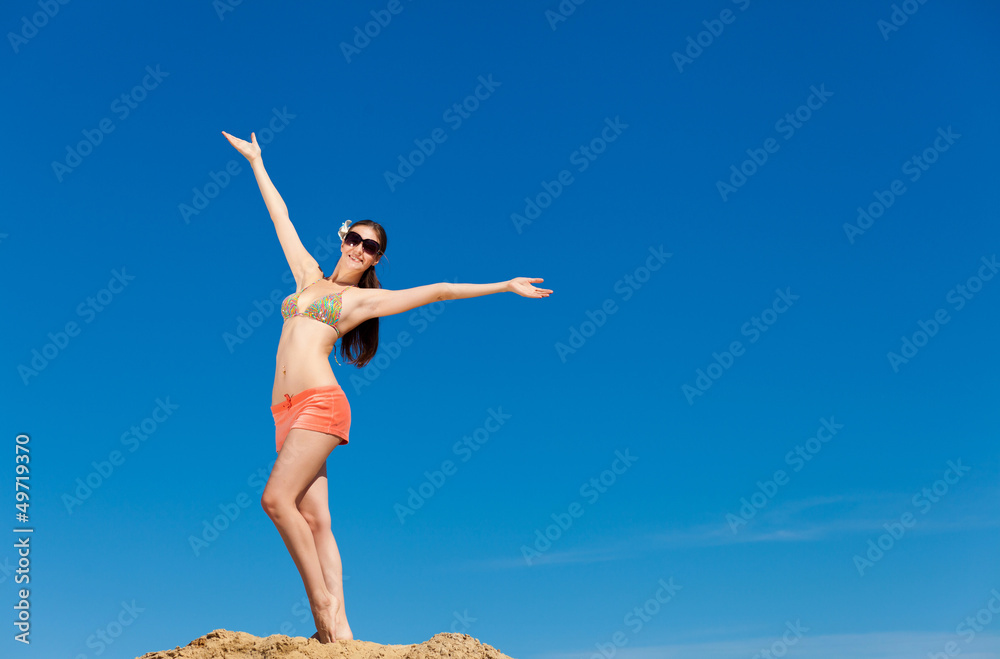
x,y
368,245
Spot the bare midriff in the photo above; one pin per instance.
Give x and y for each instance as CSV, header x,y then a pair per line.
x,y
303,359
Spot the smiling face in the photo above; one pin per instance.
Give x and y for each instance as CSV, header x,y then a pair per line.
x,y
355,257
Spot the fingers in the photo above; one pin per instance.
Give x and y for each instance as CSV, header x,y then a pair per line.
x,y
232,140
249,150
538,292
527,290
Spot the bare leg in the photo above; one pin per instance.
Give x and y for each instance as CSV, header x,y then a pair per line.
x,y
298,465
315,507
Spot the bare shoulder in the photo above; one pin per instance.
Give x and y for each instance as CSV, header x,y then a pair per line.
x,y
365,298
378,302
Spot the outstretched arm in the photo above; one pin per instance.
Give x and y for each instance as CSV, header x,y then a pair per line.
x,y
381,302
520,285
301,262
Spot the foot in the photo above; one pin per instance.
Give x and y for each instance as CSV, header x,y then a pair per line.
x,y
325,617
341,630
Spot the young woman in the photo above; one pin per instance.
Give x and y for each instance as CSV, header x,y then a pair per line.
x,y
311,413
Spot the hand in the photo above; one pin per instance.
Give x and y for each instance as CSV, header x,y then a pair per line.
x,y
250,150
523,287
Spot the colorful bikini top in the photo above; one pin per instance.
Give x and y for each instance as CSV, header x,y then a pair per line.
x,y
326,309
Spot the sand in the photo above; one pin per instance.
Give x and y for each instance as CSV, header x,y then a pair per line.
x,y
224,644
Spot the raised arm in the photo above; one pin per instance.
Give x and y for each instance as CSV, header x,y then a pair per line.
x,y
380,302
301,262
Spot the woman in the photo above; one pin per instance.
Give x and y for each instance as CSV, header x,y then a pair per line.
x,y
311,413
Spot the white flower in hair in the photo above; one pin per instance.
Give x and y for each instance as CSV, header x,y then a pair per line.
x,y
342,232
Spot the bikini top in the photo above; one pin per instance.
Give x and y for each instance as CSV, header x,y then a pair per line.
x,y
326,309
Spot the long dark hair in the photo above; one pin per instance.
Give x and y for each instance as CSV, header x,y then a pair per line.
x,y
360,344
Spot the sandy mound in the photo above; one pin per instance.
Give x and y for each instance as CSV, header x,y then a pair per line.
x,y
223,644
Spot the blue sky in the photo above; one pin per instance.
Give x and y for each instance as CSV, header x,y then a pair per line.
x,y
711,418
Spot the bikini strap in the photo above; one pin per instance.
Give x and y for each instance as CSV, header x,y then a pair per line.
x,y
308,285
338,333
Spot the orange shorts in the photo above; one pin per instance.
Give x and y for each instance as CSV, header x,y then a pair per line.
x,y
324,409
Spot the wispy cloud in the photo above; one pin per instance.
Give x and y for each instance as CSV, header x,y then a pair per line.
x,y
803,520
878,645
581,555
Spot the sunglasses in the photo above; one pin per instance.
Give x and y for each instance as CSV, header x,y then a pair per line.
x,y
368,245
